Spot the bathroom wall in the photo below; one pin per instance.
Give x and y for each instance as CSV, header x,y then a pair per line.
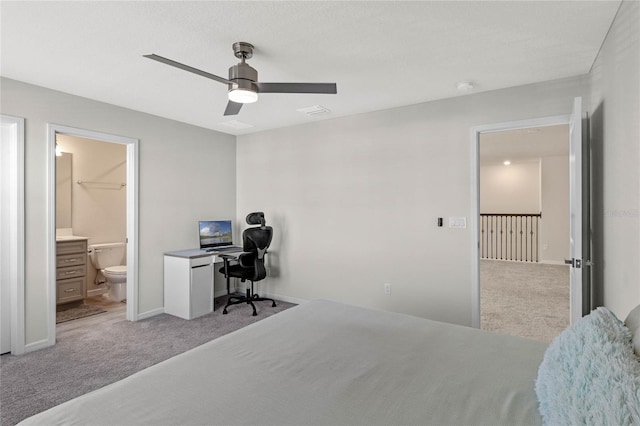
x,y
98,208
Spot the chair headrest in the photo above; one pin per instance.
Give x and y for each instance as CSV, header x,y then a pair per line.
x,y
256,218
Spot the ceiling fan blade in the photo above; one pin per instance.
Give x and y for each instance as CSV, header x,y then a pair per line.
x,y
326,88
233,108
187,68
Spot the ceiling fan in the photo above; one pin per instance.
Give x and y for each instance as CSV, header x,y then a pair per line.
x,y
243,80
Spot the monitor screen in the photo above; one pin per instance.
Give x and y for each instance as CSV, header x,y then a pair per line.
x,y
215,233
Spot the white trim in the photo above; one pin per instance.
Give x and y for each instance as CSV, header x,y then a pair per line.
x,y
553,262
96,292
36,346
283,298
16,231
288,299
149,314
220,293
475,195
132,217
132,230
50,262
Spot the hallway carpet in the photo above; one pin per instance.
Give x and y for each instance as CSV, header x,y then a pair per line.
x,y
529,300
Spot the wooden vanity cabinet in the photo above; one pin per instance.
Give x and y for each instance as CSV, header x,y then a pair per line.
x,y
71,270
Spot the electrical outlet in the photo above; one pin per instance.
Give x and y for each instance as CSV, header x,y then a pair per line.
x,y
387,289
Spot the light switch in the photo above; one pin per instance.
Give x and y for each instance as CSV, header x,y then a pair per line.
x,y
457,222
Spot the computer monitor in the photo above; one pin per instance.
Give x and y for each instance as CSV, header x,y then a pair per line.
x,y
215,233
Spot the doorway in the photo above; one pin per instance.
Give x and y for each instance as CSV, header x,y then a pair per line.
x,y
476,133
524,231
90,209
57,132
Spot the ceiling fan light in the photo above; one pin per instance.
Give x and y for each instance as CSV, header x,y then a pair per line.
x,y
242,96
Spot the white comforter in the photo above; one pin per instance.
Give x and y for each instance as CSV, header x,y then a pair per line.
x,y
325,363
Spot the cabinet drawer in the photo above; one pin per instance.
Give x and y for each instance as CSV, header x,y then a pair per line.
x,y
200,261
70,272
70,290
68,247
70,260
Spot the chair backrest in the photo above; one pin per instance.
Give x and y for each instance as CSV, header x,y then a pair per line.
x,y
256,240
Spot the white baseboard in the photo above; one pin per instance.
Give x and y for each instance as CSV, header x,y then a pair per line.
x,y
553,262
96,292
36,346
287,299
151,313
220,293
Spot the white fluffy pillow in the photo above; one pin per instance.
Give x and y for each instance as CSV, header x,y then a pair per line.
x,y
633,324
590,374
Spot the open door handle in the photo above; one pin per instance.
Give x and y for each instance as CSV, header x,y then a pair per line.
x,y
578,263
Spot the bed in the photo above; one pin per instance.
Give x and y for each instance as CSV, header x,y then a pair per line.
x,y
326,363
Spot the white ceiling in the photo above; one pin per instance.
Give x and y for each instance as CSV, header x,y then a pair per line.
x,y
524,145
380,54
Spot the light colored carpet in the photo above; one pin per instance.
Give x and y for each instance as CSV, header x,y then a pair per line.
x,y
95,356
76,312
529,300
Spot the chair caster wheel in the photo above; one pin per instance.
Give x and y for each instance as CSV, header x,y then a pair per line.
x,y
273,305
224,312
254,314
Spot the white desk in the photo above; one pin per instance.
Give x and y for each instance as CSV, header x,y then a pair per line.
x,y
188,282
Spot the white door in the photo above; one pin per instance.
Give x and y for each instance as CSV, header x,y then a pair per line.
x,y
580,283
5,277
12,234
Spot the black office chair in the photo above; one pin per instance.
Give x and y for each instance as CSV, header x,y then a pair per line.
x,y
249,265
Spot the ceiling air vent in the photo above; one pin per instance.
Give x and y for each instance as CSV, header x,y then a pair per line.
x,y
314,110
238,125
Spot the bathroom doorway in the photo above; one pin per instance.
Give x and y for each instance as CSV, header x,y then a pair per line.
x,y
93,200
90,208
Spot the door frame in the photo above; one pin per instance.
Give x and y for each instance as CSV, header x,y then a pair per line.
x,y
132,216
15,210
474,227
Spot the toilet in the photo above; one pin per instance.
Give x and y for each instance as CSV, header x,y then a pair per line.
x,y
107,259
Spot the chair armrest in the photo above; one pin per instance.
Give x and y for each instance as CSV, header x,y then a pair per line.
x,y
229,256
228,259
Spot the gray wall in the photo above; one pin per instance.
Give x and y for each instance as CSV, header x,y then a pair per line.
x,y
354,200
615,136
176,187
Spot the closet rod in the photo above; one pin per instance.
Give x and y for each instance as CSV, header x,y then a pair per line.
x,y
83,182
